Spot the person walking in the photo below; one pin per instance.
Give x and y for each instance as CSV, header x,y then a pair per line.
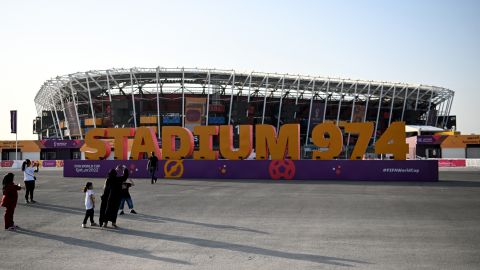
x,y
29,179
89,204
152,166
9,200
126,197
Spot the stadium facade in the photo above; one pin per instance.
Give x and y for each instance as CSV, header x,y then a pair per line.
x,y
69,105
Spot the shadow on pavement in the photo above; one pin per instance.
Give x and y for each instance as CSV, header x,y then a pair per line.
x,y
150,218
58,208
241,248
100,246
143,217
441,183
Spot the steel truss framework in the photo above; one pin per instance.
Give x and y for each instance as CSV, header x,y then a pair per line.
x,y
86,88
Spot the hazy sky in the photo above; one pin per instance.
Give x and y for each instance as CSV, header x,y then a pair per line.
x,y
428,42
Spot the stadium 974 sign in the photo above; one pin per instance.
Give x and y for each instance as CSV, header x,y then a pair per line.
x,y
269,144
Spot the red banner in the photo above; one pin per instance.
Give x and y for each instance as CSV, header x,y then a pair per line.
x,y
7,163
452,163
217,108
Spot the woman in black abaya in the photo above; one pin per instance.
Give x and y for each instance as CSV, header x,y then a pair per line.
x,y
114,184
112,174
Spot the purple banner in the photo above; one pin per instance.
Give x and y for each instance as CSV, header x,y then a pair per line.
x,y
359,170
430,139
61,143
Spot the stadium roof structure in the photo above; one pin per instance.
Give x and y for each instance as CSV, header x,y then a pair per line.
x,y
83,87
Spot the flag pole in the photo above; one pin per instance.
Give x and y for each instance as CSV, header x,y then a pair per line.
x,y
16,146
16,135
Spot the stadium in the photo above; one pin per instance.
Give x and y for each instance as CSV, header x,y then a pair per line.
x,y
69,105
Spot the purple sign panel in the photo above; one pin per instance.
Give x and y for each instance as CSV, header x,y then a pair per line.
x,y
358,170
430,139
61,143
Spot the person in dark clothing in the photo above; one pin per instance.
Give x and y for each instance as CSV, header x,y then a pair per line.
x,y
113,186
126,197
112,174
9,200
152,166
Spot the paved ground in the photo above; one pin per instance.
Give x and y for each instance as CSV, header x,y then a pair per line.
x,y
255,225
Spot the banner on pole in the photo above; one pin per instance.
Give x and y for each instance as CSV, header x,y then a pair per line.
x,y
13,121
358,113
194,112
317,113
71,119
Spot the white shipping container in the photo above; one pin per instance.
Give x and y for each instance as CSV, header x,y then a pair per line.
x,y
31,155
453,152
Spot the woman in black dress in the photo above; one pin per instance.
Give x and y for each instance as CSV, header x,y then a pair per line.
x,y
112,174
113,186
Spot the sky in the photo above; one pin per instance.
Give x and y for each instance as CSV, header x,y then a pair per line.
x,y
426,42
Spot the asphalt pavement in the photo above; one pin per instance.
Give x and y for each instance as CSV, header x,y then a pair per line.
x,y
264,224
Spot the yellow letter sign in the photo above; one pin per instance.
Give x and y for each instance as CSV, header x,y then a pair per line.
x,y
205,142
168,142
145,142
245,142
286,145
92,139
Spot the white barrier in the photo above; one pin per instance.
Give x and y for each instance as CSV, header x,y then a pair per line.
x,y
473,162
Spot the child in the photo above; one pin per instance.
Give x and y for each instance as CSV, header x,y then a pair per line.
x,y
126,197
89,204
9,200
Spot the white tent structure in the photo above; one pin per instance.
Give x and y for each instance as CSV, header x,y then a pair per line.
x,y
421,130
